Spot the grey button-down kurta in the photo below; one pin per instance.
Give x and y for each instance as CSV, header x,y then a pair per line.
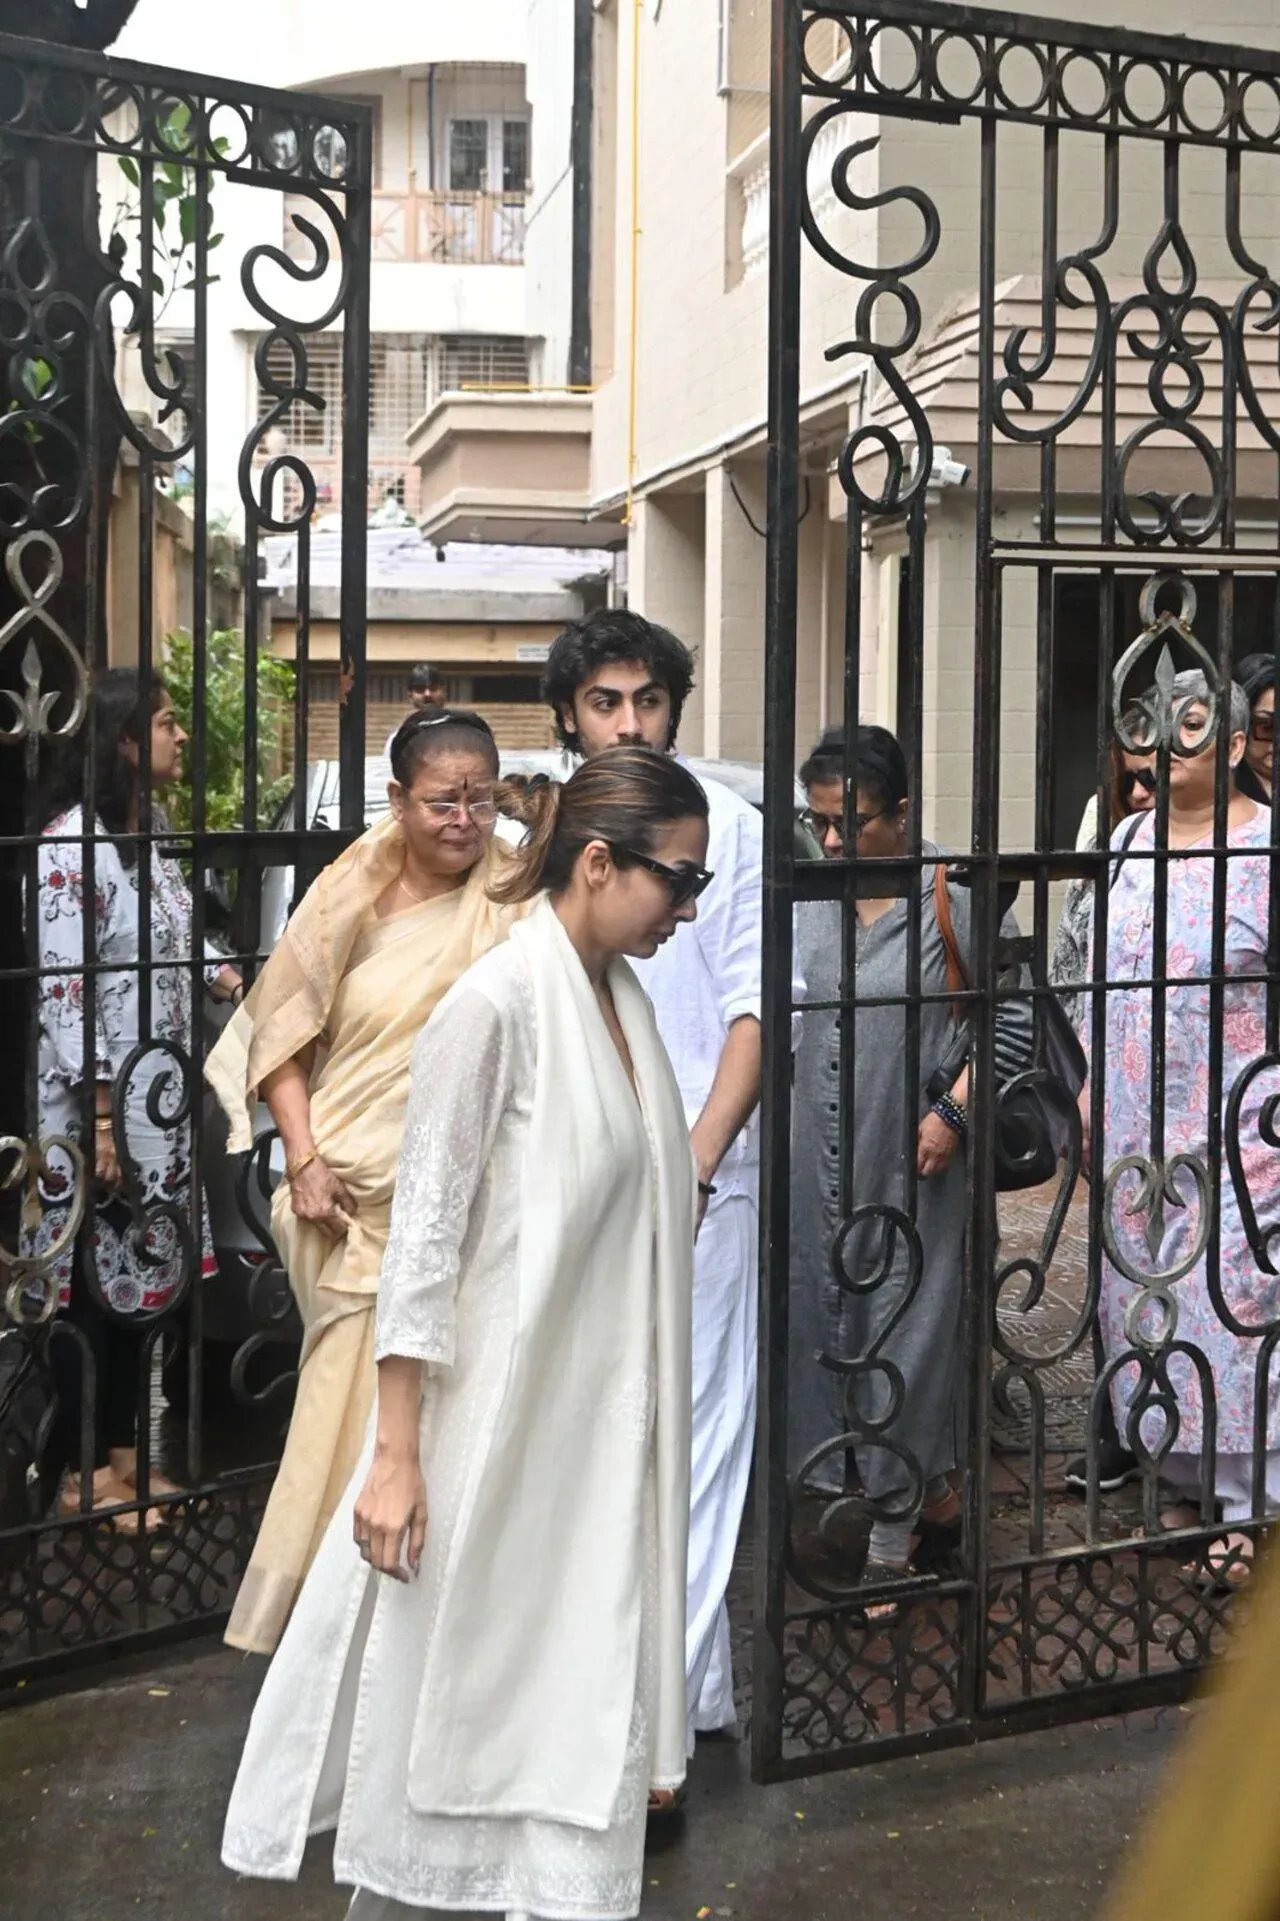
x,y
900,1311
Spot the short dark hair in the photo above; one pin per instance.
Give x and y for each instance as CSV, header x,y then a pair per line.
x,y
422,736
826,760
880,766
614,633
424,675
1255,673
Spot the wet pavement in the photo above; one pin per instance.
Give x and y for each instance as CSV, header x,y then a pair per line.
x,y
113,1798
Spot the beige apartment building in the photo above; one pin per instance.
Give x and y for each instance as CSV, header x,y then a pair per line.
x,y
665,458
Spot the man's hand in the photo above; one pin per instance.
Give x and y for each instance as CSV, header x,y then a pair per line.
x,y
730,1104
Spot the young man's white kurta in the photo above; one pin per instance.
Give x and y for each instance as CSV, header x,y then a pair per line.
x,y
484,1737
704,979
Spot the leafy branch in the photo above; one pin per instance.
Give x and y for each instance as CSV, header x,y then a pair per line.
x,y
225,731
174,209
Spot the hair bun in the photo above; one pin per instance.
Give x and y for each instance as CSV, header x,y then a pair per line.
x,y
532,799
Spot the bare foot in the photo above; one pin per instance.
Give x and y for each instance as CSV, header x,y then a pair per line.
x,y
109,1494
124,1465
1228,1564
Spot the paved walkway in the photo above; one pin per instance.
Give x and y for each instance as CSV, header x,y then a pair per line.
x,y
112,1803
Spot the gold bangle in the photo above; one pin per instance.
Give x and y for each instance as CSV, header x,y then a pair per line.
x,y
103,1120
292,1169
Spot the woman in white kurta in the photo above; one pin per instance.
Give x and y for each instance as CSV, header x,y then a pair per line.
x,y
149,1237
484,1716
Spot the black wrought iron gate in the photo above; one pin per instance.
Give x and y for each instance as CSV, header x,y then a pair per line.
x,y
133,202
1061,255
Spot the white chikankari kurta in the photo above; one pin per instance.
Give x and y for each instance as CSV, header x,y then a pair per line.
x,y
484,1737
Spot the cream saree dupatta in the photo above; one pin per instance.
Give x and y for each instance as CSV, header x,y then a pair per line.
x,y
362,989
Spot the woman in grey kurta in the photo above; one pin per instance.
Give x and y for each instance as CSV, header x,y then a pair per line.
x,y
898,1315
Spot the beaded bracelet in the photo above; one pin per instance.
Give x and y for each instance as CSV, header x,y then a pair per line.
x,y
952,1113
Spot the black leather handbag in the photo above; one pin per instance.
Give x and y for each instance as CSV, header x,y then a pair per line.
x,y
1037,1121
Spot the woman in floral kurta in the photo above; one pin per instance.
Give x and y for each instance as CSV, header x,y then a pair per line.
x,y
135,1274
1251,1295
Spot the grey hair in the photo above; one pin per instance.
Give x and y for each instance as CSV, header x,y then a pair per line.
x,y
1192,685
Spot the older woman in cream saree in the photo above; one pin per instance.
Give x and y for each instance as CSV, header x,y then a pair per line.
x,y
326,1035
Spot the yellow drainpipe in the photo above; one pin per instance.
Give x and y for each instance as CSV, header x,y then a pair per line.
x,y
637,9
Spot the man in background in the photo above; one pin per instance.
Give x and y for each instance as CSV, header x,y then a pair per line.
x,y
617,679
426,691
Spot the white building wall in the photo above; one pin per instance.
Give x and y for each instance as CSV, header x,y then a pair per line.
x,y
393,54
699,307
301,43
548,247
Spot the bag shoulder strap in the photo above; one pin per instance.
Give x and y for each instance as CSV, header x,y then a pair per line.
x,y
1125,845
957,977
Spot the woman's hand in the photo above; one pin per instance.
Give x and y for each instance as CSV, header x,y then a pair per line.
x,y
1085,1104
935,1144
392,1503
106,1164
227,984
319,1196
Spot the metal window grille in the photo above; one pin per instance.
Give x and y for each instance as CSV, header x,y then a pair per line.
x,y
481,360
468,155
515,156
406,373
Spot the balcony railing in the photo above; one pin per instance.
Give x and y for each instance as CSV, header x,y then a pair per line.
x,y
450,229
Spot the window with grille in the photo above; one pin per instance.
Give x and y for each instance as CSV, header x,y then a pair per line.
x,y
482,360
407,373
515,156
468,155
400,369
488,152
305,426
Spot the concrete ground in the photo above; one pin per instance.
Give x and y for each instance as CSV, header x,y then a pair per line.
x,y
111,1803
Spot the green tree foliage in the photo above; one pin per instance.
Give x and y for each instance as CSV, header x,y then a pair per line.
x,y
225,731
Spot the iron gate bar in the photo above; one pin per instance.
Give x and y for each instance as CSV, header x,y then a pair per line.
x,y
925,97
72,1590
1050,1631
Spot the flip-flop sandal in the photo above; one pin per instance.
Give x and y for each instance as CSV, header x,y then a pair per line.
x,y
878,1573
667,1800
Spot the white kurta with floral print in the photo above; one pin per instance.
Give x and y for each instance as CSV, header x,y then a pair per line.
x,y
135,1273
1250,1295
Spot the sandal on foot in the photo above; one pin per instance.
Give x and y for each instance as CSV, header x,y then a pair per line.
x,y
877,1574
667,1800
1227,1565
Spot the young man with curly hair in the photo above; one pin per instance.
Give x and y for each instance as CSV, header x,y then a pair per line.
x,y
616,678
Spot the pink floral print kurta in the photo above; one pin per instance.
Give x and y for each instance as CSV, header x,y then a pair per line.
x,y
1251,1295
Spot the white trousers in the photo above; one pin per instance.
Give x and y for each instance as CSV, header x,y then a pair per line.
x,y
380,1907
1233,1481
724,1416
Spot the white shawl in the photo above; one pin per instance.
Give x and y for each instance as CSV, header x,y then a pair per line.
x,y
536,1723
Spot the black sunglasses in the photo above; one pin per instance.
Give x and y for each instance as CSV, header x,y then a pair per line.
x,y
1138,777
686,881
